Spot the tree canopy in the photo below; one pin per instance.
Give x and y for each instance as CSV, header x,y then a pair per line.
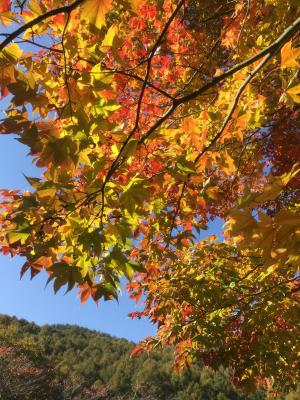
x,y
149,119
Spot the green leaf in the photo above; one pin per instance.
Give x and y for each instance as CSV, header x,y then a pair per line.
x,y
137,266
16,236
186,166
128,271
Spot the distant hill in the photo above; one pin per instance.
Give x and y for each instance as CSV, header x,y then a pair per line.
x,y
64,362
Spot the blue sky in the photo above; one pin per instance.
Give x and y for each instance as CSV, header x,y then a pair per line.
x,y
30,299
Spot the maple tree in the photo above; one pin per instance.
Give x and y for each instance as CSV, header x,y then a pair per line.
x,y
150,119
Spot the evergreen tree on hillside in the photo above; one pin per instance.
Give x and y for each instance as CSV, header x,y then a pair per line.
x,y
63,362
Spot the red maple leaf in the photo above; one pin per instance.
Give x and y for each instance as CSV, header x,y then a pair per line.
x,y
5,5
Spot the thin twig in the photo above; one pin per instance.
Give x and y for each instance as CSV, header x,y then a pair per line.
x,y
65,63
243,24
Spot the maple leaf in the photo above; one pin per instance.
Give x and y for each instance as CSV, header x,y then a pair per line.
x,y
137,350
289,56
94,11
5,6
109,37
294,93
59,19
85,292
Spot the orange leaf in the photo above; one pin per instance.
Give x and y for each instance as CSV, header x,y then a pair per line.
x,y
137,350
59,19
85,292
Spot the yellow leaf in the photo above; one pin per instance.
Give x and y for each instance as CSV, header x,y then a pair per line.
x,y
268,272
285,178
260,40
35,7
7,75
99,76
265,240
14,237
286,217
229,165
294,93
109,37
115,149
289,56
273,190
130,148
84,158
214,192
241,222
94,11
13,52
46,194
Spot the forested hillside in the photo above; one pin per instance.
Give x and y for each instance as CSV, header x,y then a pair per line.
x,y
56,362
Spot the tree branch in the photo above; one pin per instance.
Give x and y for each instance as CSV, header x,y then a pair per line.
x,y
41,46
115,163
233,108
267,54
138,78
37,20
271,50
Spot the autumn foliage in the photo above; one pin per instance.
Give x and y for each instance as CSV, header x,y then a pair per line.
x,y
150,119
